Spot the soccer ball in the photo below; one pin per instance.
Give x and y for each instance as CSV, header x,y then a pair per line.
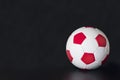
x,y
87,48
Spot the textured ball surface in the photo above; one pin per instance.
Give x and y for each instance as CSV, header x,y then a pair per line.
x,y
87,48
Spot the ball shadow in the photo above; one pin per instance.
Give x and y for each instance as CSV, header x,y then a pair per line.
x,y
109,71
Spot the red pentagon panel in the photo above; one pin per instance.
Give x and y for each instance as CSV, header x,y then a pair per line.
x,y
101,40
88,58
79,38
105,59
69,55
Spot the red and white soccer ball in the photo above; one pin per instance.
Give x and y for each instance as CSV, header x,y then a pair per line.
x,y
87,48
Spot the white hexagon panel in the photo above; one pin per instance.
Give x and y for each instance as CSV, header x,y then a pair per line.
x,y
87,48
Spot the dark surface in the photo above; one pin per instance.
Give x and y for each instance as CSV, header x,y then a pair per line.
x,y
109,71
33,35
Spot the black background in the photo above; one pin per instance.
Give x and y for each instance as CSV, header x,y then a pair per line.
x,y
33,35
